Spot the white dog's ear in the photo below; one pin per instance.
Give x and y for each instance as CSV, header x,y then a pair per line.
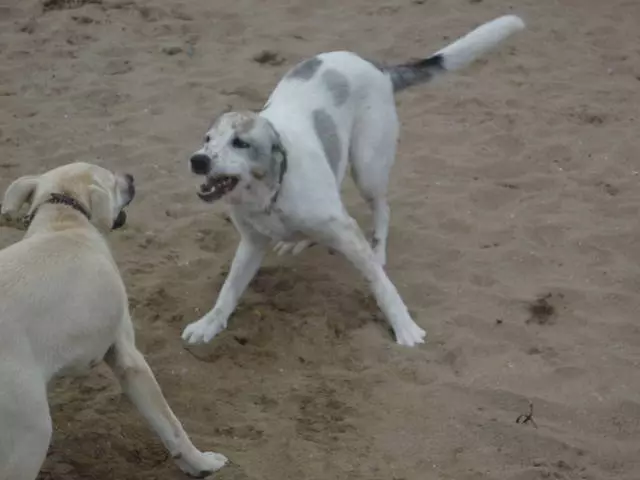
x,y
278,158
19,192
277,151
101,212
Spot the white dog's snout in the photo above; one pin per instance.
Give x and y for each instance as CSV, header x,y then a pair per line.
x,y
200,163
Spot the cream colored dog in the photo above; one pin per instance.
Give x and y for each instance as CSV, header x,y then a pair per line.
x,y
64,308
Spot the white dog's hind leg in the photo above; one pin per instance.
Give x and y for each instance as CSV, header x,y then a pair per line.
x,y
381,213
345,236
244,266
25,425
139,384
372,153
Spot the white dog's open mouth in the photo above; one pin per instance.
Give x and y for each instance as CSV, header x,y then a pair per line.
x,y
216,187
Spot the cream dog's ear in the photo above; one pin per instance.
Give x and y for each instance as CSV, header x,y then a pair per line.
x,y
19,192
101,211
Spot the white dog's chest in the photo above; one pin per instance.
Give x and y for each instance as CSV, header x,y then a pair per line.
x,y
272,225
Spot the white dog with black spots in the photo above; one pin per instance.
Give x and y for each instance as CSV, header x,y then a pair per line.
x,y
280,170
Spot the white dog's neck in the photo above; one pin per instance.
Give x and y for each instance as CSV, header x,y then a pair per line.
x,y
281,164
273,224
256,197
261,195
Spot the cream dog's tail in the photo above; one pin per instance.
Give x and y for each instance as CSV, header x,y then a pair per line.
x,y
455,56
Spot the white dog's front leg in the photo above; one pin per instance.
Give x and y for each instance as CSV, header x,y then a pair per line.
x,y
244,266
139,384
345,236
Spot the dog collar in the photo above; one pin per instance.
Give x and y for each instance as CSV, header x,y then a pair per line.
x,y
58,199
283,169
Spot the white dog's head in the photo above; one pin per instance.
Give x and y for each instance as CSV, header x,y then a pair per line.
x,y
242,152
98,193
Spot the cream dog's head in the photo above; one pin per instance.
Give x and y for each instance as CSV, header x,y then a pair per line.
x,y
98,193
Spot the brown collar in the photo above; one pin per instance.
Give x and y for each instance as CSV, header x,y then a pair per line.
x,y
58,199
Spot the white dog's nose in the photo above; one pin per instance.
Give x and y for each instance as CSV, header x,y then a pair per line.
x,y
200,164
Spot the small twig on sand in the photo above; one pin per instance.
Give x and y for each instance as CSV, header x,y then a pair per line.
x,y
196,356
527,417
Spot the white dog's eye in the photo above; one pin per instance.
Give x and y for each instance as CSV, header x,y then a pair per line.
x,y
237,143
207,139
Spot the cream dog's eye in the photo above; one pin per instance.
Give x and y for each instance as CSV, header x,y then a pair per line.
x,y
237,143
207,139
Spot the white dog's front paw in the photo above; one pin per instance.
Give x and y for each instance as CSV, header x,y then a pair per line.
x,y
410,335
294,247
202,331
282,247
203,465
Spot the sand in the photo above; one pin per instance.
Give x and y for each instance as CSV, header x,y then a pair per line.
x,y
513,241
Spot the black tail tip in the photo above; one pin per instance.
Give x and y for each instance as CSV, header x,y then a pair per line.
x,y
434,63
413,73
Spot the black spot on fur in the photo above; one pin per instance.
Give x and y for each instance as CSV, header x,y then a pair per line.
x,y
305,70
338,85
413,73
327,131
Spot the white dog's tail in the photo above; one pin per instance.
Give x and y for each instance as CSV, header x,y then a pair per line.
x,y
457,55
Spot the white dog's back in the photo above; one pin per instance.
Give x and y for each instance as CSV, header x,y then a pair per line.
x,y
333,92
347,77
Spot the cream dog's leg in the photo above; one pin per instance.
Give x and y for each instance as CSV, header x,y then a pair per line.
x,y
25,424
140,385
